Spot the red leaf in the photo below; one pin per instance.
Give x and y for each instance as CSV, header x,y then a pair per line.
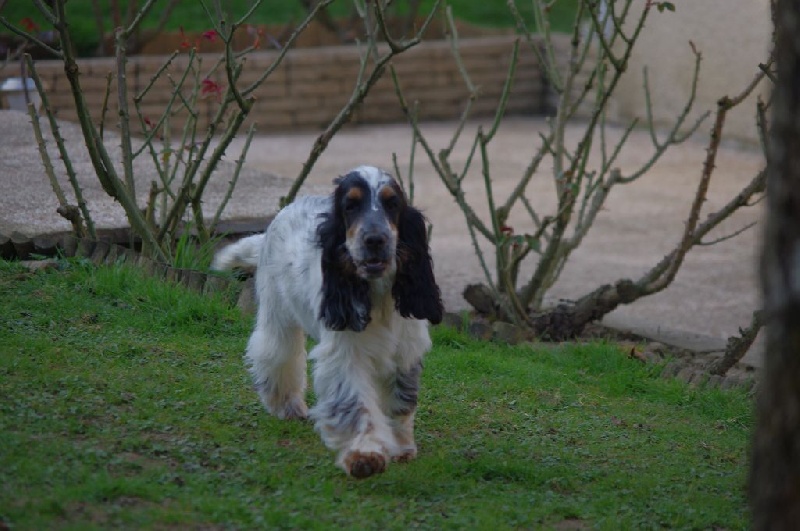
x,y
29,24
209,87
256,33
209,35
184,41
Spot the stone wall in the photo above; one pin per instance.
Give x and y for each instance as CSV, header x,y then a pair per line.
x,y
313,84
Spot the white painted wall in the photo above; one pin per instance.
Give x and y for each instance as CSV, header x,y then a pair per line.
x,y
734,36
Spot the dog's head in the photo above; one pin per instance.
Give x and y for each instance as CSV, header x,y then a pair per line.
x,y
372,234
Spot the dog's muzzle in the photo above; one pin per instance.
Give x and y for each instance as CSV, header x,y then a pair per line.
x,y
376,253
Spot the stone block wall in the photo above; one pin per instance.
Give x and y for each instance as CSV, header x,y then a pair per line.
x,y
312,84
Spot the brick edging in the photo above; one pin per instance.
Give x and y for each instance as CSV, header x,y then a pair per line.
x,y
105,253
311,85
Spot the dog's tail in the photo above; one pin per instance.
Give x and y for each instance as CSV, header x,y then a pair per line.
x,y
243,254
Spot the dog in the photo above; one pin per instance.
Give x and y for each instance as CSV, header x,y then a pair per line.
x,y
353,271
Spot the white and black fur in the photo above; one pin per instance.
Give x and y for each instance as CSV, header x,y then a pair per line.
x,y
354,272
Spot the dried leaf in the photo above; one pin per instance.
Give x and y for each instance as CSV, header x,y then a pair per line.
x,y
636,354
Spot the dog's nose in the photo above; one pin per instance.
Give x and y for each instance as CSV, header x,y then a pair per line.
x,y
375,241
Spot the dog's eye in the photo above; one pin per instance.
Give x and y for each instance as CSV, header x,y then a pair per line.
x,y
350,205
391,203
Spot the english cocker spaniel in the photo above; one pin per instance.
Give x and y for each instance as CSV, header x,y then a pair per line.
x,y
354,272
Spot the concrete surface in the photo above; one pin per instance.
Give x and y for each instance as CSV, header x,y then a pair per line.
x,y
712,296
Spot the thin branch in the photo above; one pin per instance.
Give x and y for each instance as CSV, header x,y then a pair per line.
x,y
150,208
767,72
454,48
445,173
505,93
124,114
538,222
286,47
237,170
618,23
104,106
648,105
599,34
728,236
140,14
738,346
382,26
30,38
197,197
151,131
160,71
673,136
232,69
530,170
47,13
471,88
46,161
756,186
534,45
736,100
761,127
408,190
186,193
468,161
359,93
62,150
618,148
255,5
487,181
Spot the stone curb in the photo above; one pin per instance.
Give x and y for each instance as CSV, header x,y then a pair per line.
x,y
14,244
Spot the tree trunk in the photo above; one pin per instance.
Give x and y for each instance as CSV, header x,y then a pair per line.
x,y
774,483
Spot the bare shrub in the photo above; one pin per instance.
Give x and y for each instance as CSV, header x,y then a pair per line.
x,y
602,41
184,159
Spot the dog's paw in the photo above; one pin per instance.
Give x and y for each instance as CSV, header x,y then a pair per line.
x,y
362,465
409,454
286,409
293,410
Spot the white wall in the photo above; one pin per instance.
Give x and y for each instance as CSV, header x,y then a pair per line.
x,y
734,36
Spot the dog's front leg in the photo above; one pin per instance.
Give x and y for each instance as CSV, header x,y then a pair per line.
x,y
402,406
276,358
349,418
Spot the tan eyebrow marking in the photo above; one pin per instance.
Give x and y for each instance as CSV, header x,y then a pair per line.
x,y
387,192
354,194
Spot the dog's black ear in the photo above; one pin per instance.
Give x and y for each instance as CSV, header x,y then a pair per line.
x,y
415,291
345,296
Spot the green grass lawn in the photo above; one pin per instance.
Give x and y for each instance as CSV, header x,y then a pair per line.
x,y
125,403
191,15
